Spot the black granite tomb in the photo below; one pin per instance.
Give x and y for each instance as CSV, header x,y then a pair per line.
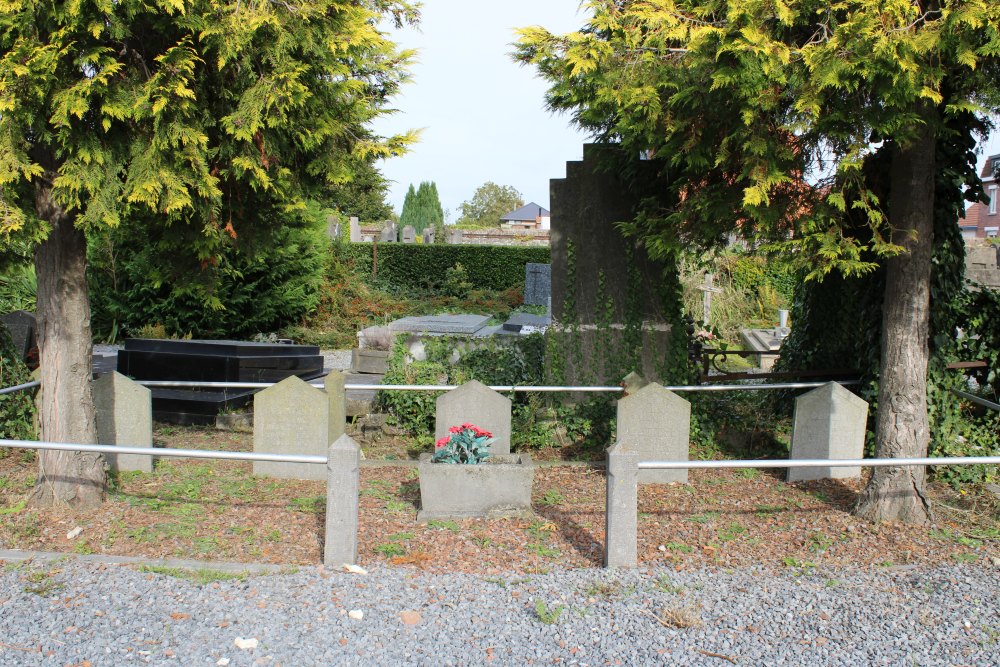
x,y
211,361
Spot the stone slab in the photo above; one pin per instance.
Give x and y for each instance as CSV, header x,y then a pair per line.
x,y
518,321
441,324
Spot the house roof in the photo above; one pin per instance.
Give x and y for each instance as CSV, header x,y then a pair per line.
x,y
530,211
987,173
972,216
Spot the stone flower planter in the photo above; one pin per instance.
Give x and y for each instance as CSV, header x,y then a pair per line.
x,y
369,361
501,486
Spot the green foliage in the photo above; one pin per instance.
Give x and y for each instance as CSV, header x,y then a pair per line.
x,y
259,286
466,444
18,288
513,362
425,266
422,208
488,203
17,410
363,194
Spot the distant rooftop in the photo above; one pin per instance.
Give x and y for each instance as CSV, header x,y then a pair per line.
x,y
529,212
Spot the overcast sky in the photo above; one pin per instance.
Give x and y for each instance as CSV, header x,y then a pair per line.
x,y
483,116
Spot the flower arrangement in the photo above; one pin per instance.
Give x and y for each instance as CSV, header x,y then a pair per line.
x,y
466,444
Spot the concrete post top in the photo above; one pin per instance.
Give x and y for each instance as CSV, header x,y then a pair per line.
x,y
344,443
837,391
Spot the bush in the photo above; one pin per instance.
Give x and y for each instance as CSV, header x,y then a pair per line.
x,y
17,410
494,268
138,281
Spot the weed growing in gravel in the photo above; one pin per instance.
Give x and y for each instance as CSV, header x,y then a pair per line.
x,y
818,542
732,532
748,473
607,589
548,615
679,618
397,506
42,583
401,537
664,585
679,547
543,550
83,548
964,558
791,561
482,541
767,510
198,576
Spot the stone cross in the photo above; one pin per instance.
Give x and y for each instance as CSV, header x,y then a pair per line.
x,y
708,289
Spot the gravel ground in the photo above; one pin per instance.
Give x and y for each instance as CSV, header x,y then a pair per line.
x,y
72,612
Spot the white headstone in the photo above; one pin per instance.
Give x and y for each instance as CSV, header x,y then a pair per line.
x,y
829,423
124,410
477,404
656,423
355,230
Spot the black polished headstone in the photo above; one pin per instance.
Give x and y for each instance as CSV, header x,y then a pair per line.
x,y
212,361
537,284
21,325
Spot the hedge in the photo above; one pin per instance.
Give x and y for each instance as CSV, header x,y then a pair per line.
x,y
488,267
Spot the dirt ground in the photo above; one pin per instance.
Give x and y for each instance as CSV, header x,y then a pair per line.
x,y
217,510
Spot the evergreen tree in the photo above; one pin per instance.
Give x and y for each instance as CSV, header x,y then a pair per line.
x,y
188,115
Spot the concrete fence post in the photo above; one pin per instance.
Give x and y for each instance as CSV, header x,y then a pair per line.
x,y
342,484
621,532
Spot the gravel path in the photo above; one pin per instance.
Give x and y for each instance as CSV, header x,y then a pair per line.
x,y
81,613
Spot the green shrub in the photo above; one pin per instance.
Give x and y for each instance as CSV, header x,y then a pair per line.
x,y
17,410
139,279
494,268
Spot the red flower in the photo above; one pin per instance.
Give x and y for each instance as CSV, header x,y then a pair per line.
x,y
468,425
481,433
441,443
455,429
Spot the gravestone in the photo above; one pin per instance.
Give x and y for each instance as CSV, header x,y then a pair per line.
x,y
829,423
453,236
21,325
537,284
355,230
388,233
292,417
409,234
333,227
124,415
428,235
599,276
477,404
656,423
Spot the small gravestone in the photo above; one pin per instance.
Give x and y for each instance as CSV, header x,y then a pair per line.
x,y
291,417
124,412
656,423
537,284
355,230
409,234
388,233
428,235
829,423
21,325
453,237
333,227
477,404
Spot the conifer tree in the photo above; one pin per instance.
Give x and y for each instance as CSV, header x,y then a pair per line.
x,y
188,114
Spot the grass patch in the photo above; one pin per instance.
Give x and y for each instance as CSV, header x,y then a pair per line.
x,y
308,504
446,524
548,615
552,497
198,576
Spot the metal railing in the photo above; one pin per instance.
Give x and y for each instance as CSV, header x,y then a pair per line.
x,y
162,451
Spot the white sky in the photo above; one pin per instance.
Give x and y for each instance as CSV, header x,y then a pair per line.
x,y
483,116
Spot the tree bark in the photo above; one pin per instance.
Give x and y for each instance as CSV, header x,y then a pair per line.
x,y
898,494
66,408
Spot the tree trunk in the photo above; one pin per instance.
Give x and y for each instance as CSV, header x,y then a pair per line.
x,y
66,408
898,494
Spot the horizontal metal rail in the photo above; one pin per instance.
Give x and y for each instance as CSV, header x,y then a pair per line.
x,y
976,399
162,451
19,387
822,463
507,387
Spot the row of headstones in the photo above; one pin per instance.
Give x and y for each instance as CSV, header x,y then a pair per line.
x,y
293,417
389,233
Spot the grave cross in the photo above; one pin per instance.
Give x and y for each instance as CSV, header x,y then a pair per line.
x,y
708,289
